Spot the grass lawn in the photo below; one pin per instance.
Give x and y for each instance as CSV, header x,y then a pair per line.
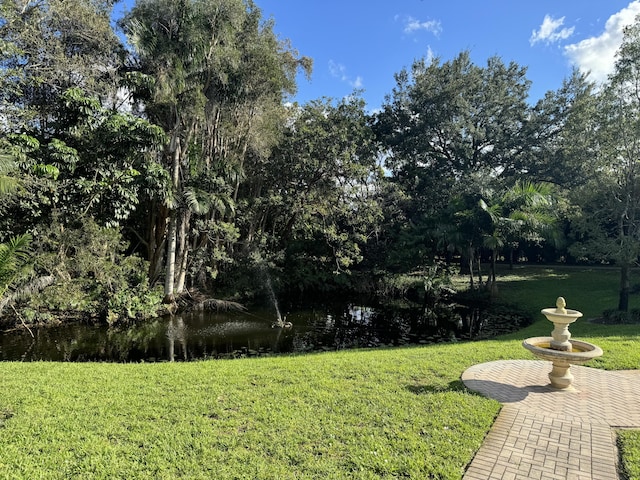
x,y
365,414
629,444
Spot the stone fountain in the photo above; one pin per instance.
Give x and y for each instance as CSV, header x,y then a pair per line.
x,y
560,349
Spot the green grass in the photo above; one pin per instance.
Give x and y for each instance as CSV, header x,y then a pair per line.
x,y
367,414
589,290
629,445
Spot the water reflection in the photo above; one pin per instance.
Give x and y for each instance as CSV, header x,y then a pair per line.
x,y
176,331
204,335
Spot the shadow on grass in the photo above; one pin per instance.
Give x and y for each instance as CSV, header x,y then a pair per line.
x,y
4,416
454,386
502,392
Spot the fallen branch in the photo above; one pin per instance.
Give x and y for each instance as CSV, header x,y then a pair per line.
x,y
22,321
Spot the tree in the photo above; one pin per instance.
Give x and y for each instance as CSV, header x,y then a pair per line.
x,y
446,123
97,162
48,47
523,212
562,135
74,150
471,224
213,76
311,207
14,257
609,228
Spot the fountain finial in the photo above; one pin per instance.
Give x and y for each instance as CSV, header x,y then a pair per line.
x,y
560,305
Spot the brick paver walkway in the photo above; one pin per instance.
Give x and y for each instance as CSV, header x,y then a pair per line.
x,y
544,433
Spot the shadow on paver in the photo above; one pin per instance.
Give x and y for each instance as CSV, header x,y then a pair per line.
x,y
505,393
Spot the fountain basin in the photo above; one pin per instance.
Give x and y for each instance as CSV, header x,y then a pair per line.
x,y
561,315
580,351
561,360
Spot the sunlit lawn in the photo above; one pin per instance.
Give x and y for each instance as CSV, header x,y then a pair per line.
x,y
384,413
629,444
589,290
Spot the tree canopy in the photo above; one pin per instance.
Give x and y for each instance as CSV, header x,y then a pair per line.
x,y
179,147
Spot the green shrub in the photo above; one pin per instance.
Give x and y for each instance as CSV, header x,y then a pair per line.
x,y
95,278
613,316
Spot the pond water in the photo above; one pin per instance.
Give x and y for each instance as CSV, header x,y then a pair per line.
x,y
203,335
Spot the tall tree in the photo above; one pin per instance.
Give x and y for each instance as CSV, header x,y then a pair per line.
x,y
446,123
313,203
562,132
610,225
76,151
47,47
213,75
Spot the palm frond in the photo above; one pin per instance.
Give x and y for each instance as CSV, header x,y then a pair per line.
x,y
13,256
34,286
198,201
8,184
202,202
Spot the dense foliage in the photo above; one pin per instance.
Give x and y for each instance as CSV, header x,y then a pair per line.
x,y
176,161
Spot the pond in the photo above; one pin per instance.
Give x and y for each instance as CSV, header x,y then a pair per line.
x,y
204,335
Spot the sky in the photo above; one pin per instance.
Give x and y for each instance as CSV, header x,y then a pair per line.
x,y
361,44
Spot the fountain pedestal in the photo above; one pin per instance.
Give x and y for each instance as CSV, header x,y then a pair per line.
x,y
560,349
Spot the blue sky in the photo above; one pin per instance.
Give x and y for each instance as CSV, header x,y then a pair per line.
x,y
362,43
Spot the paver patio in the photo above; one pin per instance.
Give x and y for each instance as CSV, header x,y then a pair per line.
x,y
545,433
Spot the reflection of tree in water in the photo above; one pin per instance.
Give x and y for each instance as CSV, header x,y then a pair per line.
x,y
135,342
176,331
216,335
353,326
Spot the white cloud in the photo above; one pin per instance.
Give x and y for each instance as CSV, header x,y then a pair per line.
x,y
412,25
430,55
597,54
337,70
550,31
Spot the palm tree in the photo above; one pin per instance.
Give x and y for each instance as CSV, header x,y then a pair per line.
x,y
15,256
210,74
14,261
522,212
15,267
470,222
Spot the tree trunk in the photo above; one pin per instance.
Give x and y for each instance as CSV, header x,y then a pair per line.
x,y
169,296
494,254
493,286
471,285
625,280
157,230
183,251
172,234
